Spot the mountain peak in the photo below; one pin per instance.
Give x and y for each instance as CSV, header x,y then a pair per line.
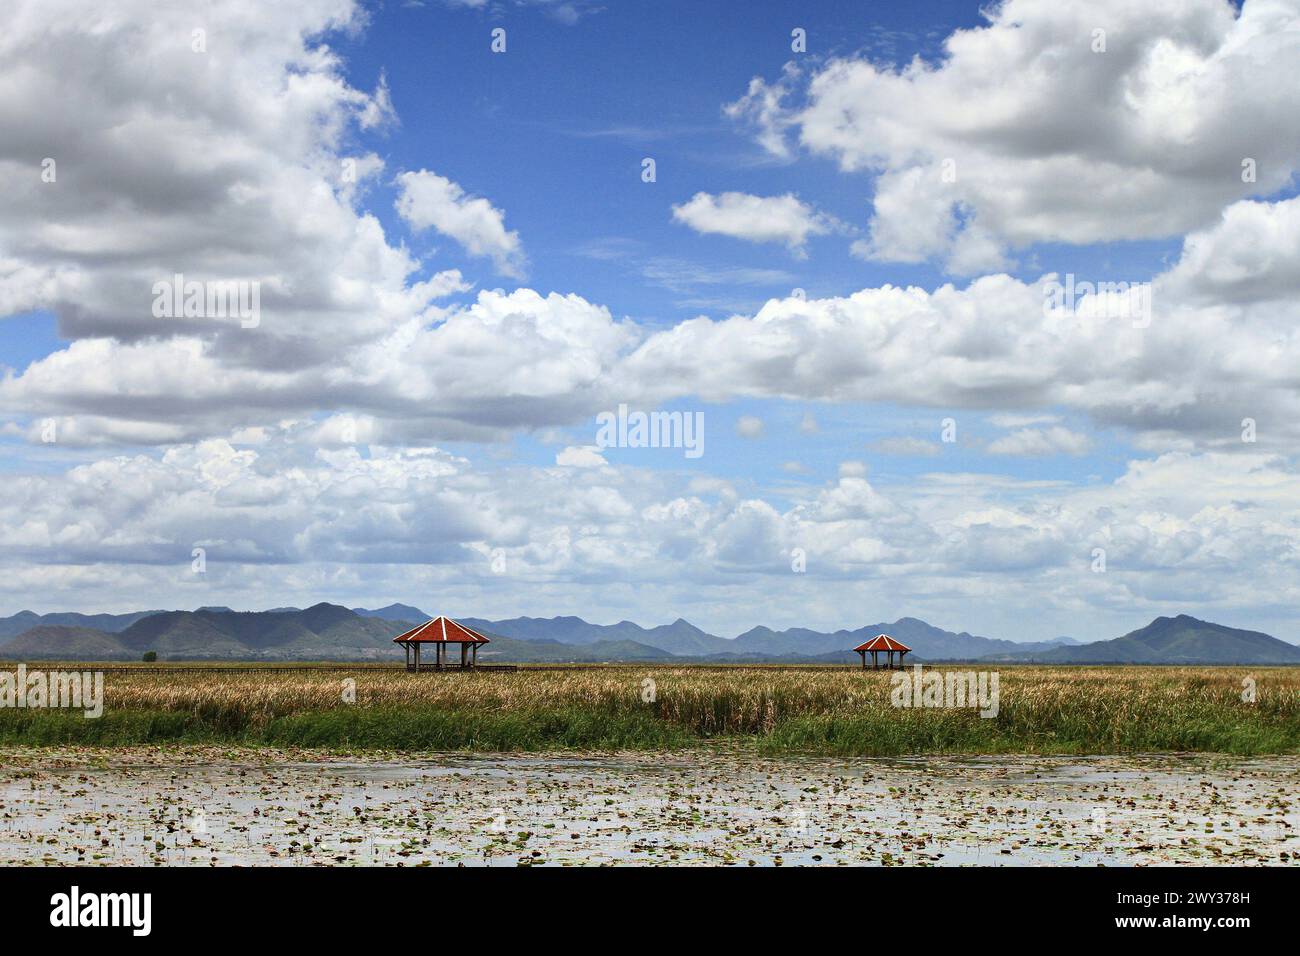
x,y
324,615
1181,640
395,612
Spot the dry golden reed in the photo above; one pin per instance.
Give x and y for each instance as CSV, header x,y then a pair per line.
x,y
782,709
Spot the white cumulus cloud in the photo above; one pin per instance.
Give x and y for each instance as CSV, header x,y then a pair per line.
x,y
580,456
430,201
785,219
1034,442
1027,131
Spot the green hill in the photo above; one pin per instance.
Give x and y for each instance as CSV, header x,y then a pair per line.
x,y
1178,640
55,642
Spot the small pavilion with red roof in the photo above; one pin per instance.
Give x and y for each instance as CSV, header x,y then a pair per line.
x,y
882,642
440,632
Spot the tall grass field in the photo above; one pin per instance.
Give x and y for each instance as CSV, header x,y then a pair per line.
x,y
775,710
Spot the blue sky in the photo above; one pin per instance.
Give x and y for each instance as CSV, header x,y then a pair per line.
x,y
562,122
420,391
555,131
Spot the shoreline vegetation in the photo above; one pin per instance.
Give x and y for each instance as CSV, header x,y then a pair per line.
x,y
770,711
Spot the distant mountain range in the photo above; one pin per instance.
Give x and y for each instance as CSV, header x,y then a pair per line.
x,y
332,632
1175,640
325,632
26,620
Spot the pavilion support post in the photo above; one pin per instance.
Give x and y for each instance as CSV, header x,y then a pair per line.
x,y
474,663
463,649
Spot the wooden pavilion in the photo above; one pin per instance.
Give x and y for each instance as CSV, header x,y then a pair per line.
x,y
882,642
440,632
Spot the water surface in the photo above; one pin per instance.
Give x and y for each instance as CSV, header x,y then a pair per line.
x,y
191,806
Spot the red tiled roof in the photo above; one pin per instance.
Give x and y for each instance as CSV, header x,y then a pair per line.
x,y
882,642
441,630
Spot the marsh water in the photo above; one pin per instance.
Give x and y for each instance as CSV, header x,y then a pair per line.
x,y
202,807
